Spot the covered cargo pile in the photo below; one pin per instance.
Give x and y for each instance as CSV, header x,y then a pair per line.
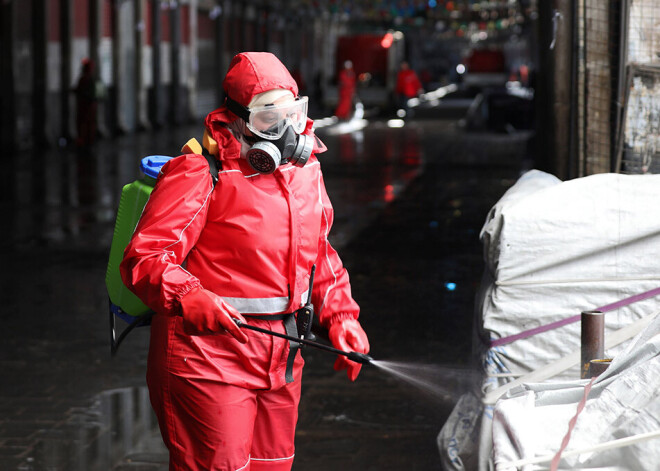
x,y
616,417
553,249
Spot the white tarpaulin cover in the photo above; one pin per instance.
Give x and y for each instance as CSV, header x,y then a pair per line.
x,y
624,402
553,249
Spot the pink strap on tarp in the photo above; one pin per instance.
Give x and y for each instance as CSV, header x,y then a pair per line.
x,y
569,320
554,464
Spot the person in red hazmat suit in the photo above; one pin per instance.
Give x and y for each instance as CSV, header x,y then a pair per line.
x,y
346,88
204,255
408,86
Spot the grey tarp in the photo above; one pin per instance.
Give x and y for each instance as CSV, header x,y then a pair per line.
x,y
623,402
551,250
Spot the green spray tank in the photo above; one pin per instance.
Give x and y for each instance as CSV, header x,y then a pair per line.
x,y
134,196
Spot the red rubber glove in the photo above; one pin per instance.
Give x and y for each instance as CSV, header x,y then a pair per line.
x,y
347,335
205,313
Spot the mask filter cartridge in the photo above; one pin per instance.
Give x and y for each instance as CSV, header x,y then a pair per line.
x,y
265,156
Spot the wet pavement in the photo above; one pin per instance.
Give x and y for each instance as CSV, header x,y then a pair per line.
x,y
409,204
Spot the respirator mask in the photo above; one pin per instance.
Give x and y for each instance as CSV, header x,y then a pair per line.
x,y
277,134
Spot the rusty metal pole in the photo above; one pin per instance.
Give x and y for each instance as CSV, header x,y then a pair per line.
x,y
593,339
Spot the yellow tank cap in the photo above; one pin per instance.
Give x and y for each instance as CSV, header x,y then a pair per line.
x,y
210,144
192,147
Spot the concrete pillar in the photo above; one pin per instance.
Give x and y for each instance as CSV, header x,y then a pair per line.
x,y
306,64
599,52
7,98
561,106
123,72
544,93
193,61
156,88
175,63
65,68
39,85
115,91
231,16
94,30
285,27
220,65
113,102
8,141
142,121
268,28
243,27
94,44
260,29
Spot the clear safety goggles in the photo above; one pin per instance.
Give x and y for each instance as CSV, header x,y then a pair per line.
x,y
270,121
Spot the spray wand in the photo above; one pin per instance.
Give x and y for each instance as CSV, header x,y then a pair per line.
x,y
355,356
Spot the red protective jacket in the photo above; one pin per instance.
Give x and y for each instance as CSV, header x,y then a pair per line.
x,y
407,83
253,239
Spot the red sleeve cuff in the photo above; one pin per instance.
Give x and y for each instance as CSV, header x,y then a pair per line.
x,y
342,316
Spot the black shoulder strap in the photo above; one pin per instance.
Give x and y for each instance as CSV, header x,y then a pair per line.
x,y
214,167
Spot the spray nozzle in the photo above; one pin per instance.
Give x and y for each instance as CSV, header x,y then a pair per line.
x,y
359,357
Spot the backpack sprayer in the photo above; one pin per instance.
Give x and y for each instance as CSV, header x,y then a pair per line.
x,y
304,317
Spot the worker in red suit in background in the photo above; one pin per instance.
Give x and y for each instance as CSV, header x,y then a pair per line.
x,y
408,86
346,85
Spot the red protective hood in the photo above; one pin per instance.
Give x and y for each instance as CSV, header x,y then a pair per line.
x,y
249,74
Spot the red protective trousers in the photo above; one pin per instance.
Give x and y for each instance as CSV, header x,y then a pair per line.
x,y
210,424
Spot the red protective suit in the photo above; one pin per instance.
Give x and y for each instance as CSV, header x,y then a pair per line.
x,y
346,90
407,83
252,240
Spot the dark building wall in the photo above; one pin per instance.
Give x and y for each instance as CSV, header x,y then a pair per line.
x,y
161,62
